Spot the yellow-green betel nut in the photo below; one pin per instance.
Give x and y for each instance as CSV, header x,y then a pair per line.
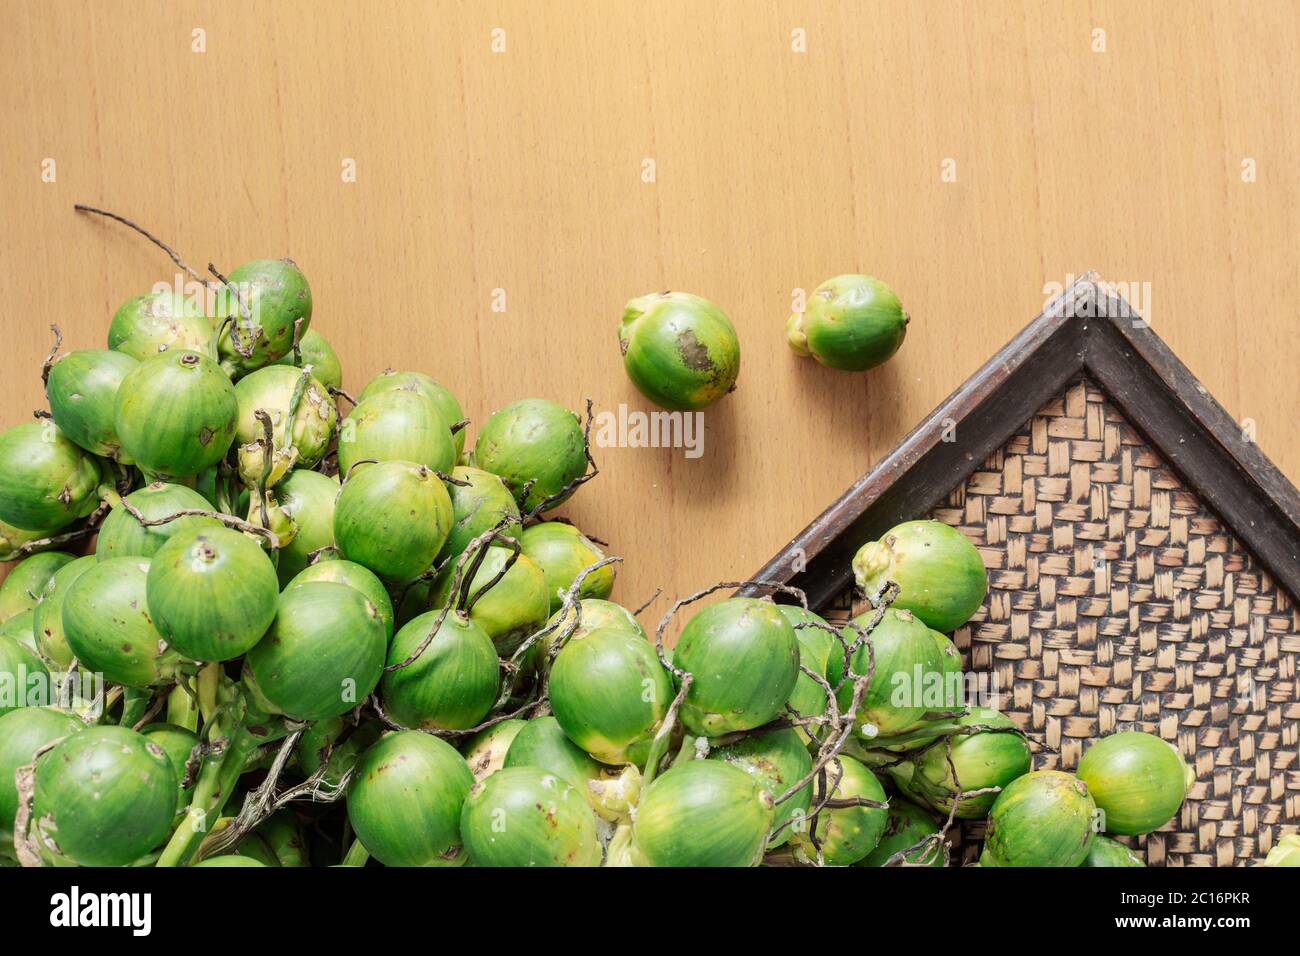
x,y
704,813
421,384
679,349
536,447
1045,818
176,414
743,658
271,296
852,322
1137,780
406,799
158,321
46,481
940,574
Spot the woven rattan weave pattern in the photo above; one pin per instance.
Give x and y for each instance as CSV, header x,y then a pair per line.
x,y
1118,601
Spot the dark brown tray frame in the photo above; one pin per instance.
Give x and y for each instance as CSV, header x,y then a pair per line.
x,y
1087,329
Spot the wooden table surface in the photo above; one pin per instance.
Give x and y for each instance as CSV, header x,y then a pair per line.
x,y
567,156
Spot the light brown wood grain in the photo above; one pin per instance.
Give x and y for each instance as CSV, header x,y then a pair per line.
x,y
522,171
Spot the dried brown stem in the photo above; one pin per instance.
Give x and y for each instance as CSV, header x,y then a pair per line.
x,y
561,621
230,521
154,707
473,552
650,600
340,393
268,460
49,359
264,801
79,207
352,467
391,724
297,340
467,601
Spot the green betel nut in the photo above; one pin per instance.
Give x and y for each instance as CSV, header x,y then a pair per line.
x,y
852,322
679,349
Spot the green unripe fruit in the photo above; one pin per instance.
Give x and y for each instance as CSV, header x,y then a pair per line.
x,y
777,760
22,589
273,296
599,613
46,481
1044,818
320,355
11,539
1285,853
908,664
847,834
82,388
536,447
212,593
393,517
610,694
744,658
337,744
906,826
22,733
703,813
1105,852
420,384
542,743
562,552
105,796
122,536
396,426
178,744
107,625
24,681
940,574
354,576
22,629
323,654
406,798
1137,780
47,620
595,613
278,841
452,684
680,350
989,758
176,414
525,816
852,322
478,507
511,609
158,322
307,497
816,645
950,656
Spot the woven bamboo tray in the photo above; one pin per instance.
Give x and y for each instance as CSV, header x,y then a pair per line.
x,y
1119,597
1118,601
